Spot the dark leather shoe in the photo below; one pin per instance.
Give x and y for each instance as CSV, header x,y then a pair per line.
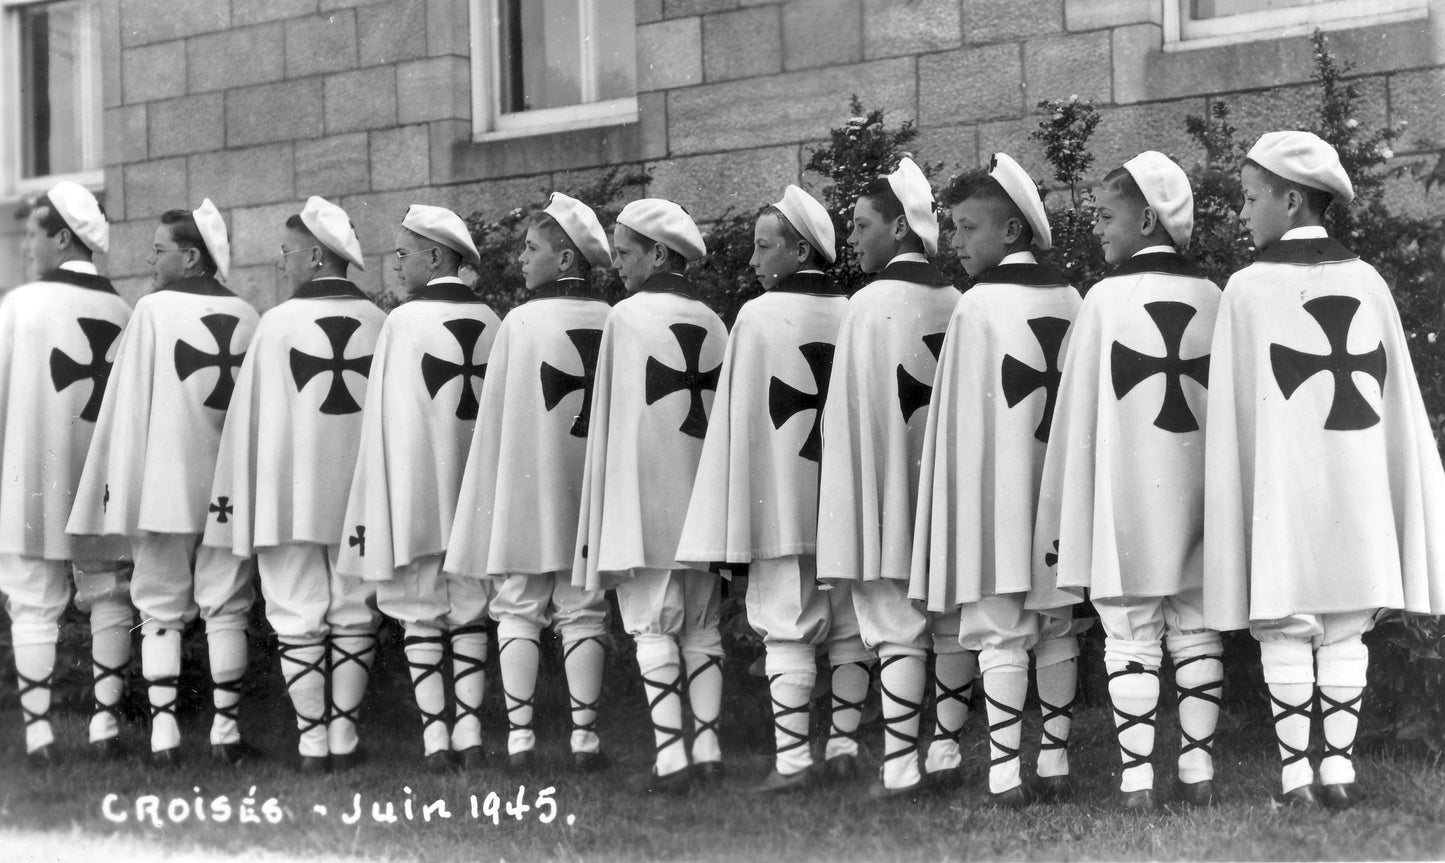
x,y
43,758
345,762
234,754
521,762
313,765
1194,793
676,783
944,781
1016,797
109,749
438,762
590,762
841,768
472,758
1338,797
1054,789
784,783
879,791
708,774
166,759
1142,800
1302,797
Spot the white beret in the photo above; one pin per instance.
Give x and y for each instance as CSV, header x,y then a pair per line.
x,y
441,225
1166,189
213,234
1024,192
1304,158
810,219
666,223
916,195
81,212
332,228
580,225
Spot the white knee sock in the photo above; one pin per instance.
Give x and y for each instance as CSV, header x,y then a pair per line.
x,y
228,665
160,659
1341,687
1058,683
1289,673
1134,694
902,678
660,663
469,683
34,667
110,623
351,660
850,688
518,658
303,666
583,660
704,696
1004,691
423,648
953,676
1199,681
791,693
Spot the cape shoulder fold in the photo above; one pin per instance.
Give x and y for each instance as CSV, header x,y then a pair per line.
x,y
988,424
1311,252
417,422
915,272
288,449
873,428
756,492
1121,501
89,281
517,511
1163,263
657,370
153,456
1324,490
57,343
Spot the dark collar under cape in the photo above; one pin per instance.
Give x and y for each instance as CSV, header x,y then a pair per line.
x,y
1028,275
1168,263
807,283
446,292
568,288
918,272
203,285
669,283
1309,252
90,281
329,288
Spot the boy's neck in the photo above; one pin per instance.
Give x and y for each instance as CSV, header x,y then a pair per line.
x,y
1306,232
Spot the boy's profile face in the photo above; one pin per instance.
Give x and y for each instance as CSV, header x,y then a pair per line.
x,y
982,233
40,251
541,261
632,257
1266,211
773,259
874,239
169,260
414,261
297,250
1118,221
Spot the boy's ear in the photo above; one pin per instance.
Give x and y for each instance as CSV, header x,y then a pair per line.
x,y
566,260
1148,221
1012,230
900,228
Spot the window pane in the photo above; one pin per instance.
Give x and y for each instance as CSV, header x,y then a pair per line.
x,y
541,54
1204,9
53,90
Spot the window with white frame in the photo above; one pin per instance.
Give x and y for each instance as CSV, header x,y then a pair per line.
x,y
542,66
1199,23
49,94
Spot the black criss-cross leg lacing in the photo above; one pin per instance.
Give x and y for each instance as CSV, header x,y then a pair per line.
x,y
1329,707
474,665
1131,758
1015,717
780,712
298,669
943,692
1288,754
1050,712
663,688
340,656
837,703
513,702
1211,692
701,726
99,672
577,705
426,670
913,710
232,687
174,684
27,685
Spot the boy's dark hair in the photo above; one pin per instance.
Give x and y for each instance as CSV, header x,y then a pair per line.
x,y
1316,200
1122,183
881,194
52,223
816,259
560,241
674,262
295,223
188,236
978,184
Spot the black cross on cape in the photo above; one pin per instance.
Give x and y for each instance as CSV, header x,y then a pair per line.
x,y
190,359
913,393
1129,368
1020,379
65,370
339,400
786,400
435,372
662,380
557,384
1349,410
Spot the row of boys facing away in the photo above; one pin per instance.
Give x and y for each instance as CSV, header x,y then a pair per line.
x,y
927,523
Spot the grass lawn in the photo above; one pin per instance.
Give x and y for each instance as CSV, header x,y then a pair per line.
x,y
59,815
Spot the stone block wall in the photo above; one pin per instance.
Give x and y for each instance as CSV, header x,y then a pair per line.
x,y
260,103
